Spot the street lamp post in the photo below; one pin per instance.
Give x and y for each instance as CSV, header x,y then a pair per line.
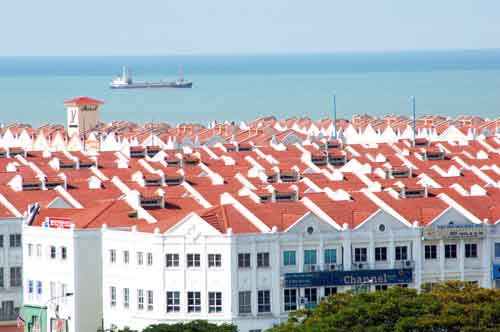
x,y
39,316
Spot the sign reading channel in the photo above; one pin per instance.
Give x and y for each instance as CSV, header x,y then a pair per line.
x,y
347,278
454,232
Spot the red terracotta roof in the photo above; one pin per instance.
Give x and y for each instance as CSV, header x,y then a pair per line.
x,y
83,101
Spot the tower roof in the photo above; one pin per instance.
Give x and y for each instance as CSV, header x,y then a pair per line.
x,y
83,101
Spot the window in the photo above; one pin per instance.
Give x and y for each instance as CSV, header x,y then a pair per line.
x,y
173,301
150,300
39,287
64,290
430,251
214,260
289,257
243,260
112,296
30,250
450,251
112,256
126,257
329,291
193,260
30,286
2,283
290,297
360,254
1,241
262,259
194,302
471,250
214,302
172,260
140,299
401,253
381,287
264,301
15,240
330,256
140,258
245,302
497,250
380,253
53,252
15,277
150,259
311,295
39,250
64,253
126,298
35,323
310,257
53,289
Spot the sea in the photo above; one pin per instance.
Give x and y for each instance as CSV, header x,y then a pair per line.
x,y
244,87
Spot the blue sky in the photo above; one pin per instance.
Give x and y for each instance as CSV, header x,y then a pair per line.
x,y
108,27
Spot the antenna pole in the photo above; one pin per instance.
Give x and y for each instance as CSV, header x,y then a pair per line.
x,y
152,138
412,102
335,116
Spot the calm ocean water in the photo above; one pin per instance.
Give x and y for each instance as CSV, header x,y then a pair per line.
x,y
32,89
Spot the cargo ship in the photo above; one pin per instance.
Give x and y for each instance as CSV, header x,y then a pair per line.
x,y
125,82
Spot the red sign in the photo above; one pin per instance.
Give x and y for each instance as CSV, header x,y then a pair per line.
x,y
57,222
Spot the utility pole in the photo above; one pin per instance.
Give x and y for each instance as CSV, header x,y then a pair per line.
x,y
151,132
412,102
334,117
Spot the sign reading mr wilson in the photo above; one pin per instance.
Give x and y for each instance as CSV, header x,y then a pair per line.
x,y
347,278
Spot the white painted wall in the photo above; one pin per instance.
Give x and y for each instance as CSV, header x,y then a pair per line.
x,y
89,252
10,257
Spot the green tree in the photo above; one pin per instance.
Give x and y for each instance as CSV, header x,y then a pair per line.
x,y
448,307
193,326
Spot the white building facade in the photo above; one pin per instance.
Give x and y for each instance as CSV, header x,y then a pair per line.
x,y
128,278
11,266
62,279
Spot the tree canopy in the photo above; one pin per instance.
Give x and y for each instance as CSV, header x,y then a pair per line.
x,y
448,307
193,326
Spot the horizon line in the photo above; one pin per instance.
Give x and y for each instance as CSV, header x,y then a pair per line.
x,y
228,54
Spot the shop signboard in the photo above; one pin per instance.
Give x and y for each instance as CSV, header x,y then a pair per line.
x,y
454,232
348,278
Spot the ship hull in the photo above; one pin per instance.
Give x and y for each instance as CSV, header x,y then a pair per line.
x,y
174,85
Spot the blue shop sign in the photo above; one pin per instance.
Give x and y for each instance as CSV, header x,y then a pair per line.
x,y
496,271
347,278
